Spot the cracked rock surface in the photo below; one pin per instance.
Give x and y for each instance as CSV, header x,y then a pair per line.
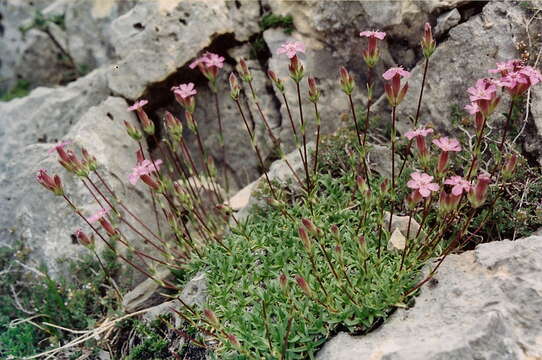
x,y
484,304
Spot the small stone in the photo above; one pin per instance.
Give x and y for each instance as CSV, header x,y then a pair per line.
x,y
397,241
145,294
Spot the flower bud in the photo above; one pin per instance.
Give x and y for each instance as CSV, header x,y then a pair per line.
x,y
53,184
304,238
84,239
509,166
235,89
132,131
309,225
428,43
109,229
347,82
89,161
335,232
362,184
276,80
244,71
314,94
296,69
283,282
478,194
174,126
303,285
148,125
384,186
233,339
211,317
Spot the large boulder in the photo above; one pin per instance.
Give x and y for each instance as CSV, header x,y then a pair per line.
x,y
155,39
44,223
47,113
482,304
87,27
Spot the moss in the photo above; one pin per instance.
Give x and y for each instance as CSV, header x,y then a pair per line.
x,y
20,89
271,20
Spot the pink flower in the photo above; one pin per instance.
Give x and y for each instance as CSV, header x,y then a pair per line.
x,y
214,60
517,82
513,79
484,89
446,144
394,92
98,216
478,193
418,132
291,48
373,34
138,105
184,90
145,167
59,147
502,68
459,184
53,184
472,108
396,71
208,59
423,183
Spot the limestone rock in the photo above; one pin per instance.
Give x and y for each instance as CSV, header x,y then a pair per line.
x,y
146,294
152,39
484,304
47,113
193,294
446,21
88,24
401,223
43,222
14,14
397,241
533,141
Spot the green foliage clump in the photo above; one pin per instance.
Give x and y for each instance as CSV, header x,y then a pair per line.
x,y
271,20
152,341
74,303
244,289
21,89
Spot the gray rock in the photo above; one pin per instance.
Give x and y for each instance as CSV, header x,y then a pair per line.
x,y
88,24
486,305
447,21
152,43
47,113
14,14
400,223
193,294
43,222
533,141
146,294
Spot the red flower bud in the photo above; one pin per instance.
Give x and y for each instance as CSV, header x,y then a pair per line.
x,y
303,285
235,89
347,82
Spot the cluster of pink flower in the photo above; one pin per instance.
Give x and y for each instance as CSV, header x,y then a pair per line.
x,y
422,183
516,78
